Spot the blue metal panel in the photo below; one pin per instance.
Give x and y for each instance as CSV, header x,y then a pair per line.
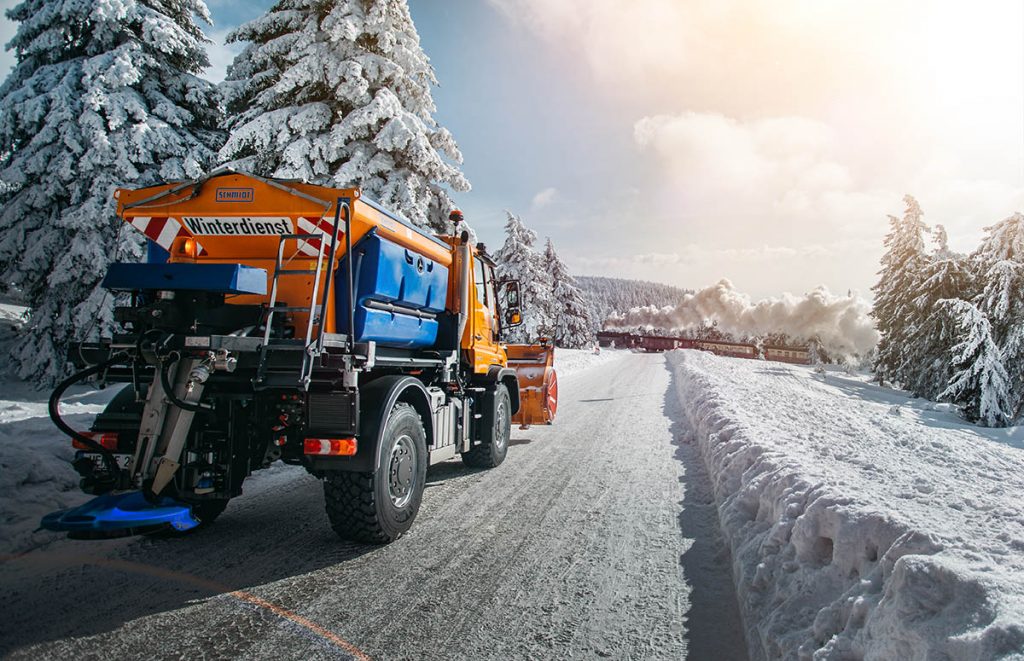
x,y
394,329
121,511
388,273
217,278
155,254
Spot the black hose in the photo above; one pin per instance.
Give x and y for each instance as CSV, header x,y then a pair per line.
x,y
108,457
165,381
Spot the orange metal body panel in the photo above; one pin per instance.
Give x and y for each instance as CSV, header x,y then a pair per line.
x,y
538,383
238,219
479,342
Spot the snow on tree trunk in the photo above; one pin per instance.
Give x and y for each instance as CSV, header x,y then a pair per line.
x,y
517,260
573,323
104,94
339,92
979,384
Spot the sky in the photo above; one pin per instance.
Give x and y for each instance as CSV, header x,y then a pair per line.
x,y
684,141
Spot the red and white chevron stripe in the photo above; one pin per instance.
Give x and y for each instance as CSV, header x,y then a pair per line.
x,y
321,227
162,230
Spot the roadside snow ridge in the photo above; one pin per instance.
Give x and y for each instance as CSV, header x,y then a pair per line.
x,y
861,526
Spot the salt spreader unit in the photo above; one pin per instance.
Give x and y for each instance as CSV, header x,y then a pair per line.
x,y
283,321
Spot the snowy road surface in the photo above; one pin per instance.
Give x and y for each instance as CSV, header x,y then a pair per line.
x,y
597,537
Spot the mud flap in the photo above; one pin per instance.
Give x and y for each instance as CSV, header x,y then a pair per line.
x,y
121,512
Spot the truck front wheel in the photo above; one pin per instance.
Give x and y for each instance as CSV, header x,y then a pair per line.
x,y
379,507
493,445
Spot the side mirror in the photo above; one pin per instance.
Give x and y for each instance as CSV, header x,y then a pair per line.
x,y
511,303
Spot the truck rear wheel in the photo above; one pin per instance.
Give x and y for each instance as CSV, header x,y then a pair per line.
x,y
379,507
493,444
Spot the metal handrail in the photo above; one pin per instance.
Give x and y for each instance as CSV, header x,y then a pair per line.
x,y
341,203
307,364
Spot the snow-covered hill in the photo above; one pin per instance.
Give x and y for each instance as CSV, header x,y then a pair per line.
x,y
607,296
863,524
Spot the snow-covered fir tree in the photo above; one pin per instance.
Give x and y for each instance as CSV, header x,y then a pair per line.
x,y
104,94
573,325
517,260
925,369
815,355
999,271
339,92
979,384
899,279
940,237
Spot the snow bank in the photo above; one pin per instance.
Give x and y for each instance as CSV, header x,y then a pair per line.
x,y
36,477
861,526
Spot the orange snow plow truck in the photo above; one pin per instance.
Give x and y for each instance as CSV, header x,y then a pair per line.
x,y
277,320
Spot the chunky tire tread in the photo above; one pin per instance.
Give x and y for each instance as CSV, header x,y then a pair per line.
x,y
351,507
355,503
485,454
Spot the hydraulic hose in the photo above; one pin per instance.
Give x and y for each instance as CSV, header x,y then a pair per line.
x,y
165,381
108,457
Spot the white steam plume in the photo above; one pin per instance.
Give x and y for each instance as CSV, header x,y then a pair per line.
x,y
841,323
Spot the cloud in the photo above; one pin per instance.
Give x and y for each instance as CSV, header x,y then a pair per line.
x,y
796,123
782,55
784,153
544,198
785,173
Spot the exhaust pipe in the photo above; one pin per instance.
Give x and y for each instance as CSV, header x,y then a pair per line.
x,y
466,272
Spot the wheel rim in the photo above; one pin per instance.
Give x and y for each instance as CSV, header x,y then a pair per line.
x,y
402,471
501,425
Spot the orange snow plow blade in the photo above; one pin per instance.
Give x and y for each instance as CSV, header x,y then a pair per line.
x,y
538,384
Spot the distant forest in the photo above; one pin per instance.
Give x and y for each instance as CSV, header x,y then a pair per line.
x,y
607,296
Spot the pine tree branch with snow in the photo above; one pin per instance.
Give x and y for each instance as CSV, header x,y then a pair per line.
x,y
573,323
517,260
899,280
979,384
104,94
339,92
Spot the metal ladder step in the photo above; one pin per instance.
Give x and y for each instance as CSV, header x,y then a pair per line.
x,y
292,308
315,316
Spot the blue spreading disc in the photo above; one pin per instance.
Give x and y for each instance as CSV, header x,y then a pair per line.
x,y
123,511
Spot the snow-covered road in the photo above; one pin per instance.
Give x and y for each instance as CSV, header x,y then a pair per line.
x,y
597,537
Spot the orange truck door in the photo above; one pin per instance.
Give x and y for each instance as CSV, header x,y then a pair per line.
x,y
487,350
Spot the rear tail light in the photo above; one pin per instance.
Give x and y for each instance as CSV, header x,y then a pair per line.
x,y
107,439
335,447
